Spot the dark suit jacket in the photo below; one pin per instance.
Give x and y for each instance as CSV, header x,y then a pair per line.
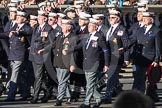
x,y
96,52
119,39
79,32
37,43
148,46
132,31
60,60
103,29
5,38
54,33
7,30
134,28
18,43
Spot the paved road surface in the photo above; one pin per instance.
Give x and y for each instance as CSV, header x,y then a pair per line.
x,y
127,84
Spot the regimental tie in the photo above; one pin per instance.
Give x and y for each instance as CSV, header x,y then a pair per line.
x,y
81,31
109,33
88,41
11,24
144,29
17,28
38,29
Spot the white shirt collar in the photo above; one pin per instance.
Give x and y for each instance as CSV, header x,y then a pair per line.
x,y
114,27
13,22
99,27
148,28
66,34
141,24
20,25
108,35
42,25
54,26
92,34
82,28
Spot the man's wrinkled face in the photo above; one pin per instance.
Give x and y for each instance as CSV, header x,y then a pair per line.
x,y
139,16
82,22
20,19
41,19
12,15
65,28
147,21
71,14
52,21
92,27
113,19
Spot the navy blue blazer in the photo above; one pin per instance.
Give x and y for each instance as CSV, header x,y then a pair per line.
x,y
37,43
18,43
97,53
148,46
119,39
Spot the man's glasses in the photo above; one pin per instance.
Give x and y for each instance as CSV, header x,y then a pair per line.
x,y
112,17
50,19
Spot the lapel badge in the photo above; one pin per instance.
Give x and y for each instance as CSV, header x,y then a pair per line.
x,y
115,40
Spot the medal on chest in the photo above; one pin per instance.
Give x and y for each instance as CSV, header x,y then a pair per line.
x,y
115,40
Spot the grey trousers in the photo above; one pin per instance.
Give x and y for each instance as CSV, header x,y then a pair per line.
x,y
63,76
15,66
113,80
39,70
91,78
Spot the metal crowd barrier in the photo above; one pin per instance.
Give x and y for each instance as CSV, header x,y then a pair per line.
x,y
95,8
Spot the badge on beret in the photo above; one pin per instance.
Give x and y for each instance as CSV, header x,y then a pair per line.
x,y
115,40
120,33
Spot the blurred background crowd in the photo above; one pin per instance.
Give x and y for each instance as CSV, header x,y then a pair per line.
x,y
88,2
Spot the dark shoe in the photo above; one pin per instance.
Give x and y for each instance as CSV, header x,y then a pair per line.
x,y
106,101
68,101
9,100
23,99
97,105
44,100
58,103
84,106
156,100
75,96
33,101
47,96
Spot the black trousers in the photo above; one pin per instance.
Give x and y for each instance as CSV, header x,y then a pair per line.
x,y
139,83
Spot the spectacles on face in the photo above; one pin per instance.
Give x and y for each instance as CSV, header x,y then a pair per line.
x,y
112,17
50,19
